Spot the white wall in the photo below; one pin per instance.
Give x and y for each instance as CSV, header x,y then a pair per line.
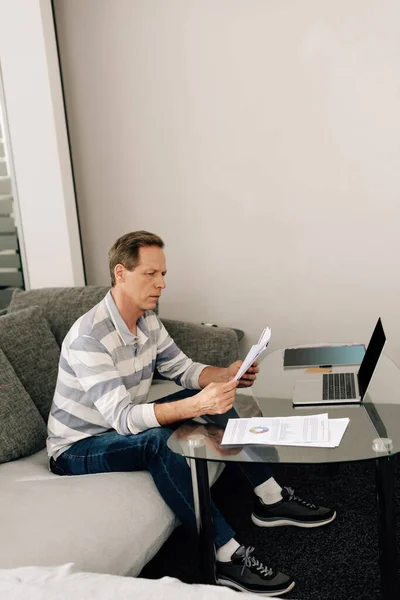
x,y
43,185
260,140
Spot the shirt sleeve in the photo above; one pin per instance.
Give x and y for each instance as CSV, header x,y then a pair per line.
x,y
173,364
99,378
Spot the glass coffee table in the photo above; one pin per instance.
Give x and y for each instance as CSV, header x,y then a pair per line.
x,y
373,434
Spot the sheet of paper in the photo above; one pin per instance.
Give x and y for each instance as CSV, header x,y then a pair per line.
x,y
255,352
276,430
336,430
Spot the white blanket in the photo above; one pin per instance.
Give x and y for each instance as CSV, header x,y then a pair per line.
x,y
65,583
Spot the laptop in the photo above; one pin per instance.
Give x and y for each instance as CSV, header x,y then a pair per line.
x,y
342,388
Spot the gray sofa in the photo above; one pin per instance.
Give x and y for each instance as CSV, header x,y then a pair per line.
x,y
110,523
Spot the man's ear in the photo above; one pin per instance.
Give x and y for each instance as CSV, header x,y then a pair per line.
x,y
119,273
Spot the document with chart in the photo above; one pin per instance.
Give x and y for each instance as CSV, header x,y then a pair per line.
x,y
309,431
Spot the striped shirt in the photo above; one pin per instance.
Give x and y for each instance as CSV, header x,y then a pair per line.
x,y
105,373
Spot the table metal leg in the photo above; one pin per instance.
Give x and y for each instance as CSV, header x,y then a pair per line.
x,y
202,505
387,528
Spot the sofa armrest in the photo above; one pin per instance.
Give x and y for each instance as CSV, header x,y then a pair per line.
x,y
216,346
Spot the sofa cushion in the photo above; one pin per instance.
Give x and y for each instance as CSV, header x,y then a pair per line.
x,y
30,347
107,522
61,306
22,430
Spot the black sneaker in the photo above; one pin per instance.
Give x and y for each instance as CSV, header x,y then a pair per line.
x,y
246,573
291,510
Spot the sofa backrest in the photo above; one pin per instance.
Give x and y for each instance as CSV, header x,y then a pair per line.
x,y
61,306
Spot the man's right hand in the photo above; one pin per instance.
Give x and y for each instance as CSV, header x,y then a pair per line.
x,y
216,398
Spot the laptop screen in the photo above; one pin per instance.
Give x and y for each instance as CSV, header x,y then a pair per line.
x,y
371,358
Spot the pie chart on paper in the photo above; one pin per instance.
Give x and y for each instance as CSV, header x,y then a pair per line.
x,y
258,429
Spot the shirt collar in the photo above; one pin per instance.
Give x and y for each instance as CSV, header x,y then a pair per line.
x,y
122,329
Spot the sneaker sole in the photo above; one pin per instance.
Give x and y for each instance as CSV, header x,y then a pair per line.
x,y
282,522
235,586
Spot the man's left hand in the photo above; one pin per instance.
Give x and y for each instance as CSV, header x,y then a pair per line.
x,y
248,378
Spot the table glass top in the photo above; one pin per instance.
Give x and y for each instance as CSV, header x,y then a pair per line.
x,y
376,418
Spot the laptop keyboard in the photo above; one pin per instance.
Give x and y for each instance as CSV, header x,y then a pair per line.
x,y
338,386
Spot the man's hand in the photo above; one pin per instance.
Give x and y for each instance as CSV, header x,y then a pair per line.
x,y
248,378
216,398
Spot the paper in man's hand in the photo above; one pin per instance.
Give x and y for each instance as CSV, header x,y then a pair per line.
x,y
254,353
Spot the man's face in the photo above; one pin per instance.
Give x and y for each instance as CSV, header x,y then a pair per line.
x,y
145,283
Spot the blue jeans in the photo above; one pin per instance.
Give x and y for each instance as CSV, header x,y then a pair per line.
x,y
148,451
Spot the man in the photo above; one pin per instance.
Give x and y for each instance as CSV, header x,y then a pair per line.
x,y
100,420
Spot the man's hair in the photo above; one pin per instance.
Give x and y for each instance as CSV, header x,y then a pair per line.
x,y
125,250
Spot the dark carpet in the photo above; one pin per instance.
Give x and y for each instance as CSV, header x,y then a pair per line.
x,y
335,562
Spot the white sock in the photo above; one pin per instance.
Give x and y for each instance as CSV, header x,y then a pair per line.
x,y
269,491
224,554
